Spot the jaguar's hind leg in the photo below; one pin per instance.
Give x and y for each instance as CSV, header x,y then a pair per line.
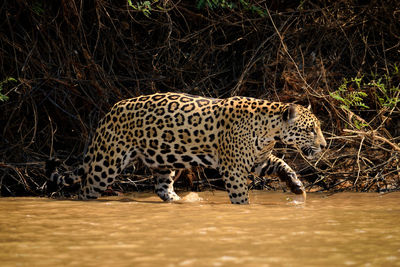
x,y
102,172
164,187
96,183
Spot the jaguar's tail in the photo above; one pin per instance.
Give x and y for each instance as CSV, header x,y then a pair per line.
x,y
64,177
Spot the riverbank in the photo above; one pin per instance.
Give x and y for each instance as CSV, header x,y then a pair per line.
x,y
64,66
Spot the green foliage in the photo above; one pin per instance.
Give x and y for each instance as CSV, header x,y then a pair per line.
x,y
215,4
349,95
384,91
37,8
2,96
142,6
381,91
387,94
240,4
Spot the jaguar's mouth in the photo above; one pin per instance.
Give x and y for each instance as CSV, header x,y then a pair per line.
x,y
310,151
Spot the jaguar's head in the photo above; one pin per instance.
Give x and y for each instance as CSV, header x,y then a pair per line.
x,y
302,129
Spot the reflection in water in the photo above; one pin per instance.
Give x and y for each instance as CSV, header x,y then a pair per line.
x,y
140,230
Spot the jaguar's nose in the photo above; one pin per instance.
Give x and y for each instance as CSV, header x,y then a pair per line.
x,y
323,144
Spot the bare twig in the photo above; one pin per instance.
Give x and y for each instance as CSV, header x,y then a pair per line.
x,y
373,135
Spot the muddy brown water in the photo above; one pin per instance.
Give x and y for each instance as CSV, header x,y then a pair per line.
x,y
140,230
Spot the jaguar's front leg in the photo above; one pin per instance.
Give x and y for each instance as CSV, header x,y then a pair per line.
x,y
275,165
236,183
164,187
237,189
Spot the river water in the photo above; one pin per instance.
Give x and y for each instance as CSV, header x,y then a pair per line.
x,y
140,230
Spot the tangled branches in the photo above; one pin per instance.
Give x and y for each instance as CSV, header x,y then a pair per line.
x,y
73,61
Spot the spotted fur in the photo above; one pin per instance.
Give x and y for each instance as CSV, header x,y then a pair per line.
x,y
175,131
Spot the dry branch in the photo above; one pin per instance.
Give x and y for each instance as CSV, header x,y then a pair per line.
x,y
75,60
373,135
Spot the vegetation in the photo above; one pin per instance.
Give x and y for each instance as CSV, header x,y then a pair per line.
x,y
7,80
71,61
142,6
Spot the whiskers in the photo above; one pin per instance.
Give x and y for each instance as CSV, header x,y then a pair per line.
x,y
310,151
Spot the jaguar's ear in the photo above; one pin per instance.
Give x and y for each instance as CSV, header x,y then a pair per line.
x,y
309,107
290,113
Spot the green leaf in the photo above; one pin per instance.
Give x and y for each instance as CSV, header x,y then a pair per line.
x,y
336,96
3,97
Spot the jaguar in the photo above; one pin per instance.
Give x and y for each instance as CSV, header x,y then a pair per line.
x,y
174,131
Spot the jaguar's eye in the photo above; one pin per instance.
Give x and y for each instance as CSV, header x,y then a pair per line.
x,y
311,130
